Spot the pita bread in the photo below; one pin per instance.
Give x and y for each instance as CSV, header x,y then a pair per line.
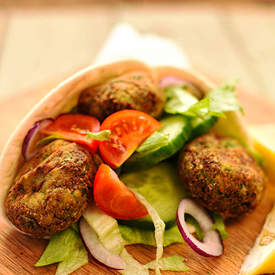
x,y
65,96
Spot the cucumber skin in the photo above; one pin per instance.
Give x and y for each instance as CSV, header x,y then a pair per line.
x,y
140,161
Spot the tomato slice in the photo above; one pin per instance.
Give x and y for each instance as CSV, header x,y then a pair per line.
x,y
74,127
114,198
129,128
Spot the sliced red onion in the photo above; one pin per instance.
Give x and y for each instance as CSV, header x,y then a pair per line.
x,y
97,250
211,245
32,137
172,80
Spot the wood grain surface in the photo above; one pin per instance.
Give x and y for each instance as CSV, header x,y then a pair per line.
x,y
18,253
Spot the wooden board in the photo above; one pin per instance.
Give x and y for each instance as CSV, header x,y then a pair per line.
x,y
18,253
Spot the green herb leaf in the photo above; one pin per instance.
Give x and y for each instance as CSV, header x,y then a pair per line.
x,y
171,263
219,225
48,139
102,135
178,100
153,142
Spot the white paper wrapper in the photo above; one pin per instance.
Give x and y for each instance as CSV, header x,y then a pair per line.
x,y
125,42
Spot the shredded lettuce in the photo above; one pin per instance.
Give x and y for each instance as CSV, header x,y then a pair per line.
x,y
153,142
67,249
102,135
219,100
219,225
132,265
171,263
159,228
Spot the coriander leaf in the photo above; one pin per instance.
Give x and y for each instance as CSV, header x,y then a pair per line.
x,y
102,135
178,100
48,139
153,142
219,225
171,263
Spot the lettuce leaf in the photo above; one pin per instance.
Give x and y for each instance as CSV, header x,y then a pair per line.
x,y
171,263
219,100
67,249
153,142
197,229
219,225
134,235
178,100
76,258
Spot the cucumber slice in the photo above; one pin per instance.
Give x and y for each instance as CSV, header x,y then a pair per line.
x,y
177,129
201,126
161,188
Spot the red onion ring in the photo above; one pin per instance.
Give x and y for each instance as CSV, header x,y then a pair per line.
x,y
172,80
31,138
211,245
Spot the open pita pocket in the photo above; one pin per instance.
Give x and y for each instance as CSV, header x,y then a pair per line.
x,y
65,96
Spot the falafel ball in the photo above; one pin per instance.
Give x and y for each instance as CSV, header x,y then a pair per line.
x,y
51,191
136,91
221,175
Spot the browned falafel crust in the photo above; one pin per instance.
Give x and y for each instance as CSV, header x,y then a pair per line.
x,y
136,91
51,191
221,175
